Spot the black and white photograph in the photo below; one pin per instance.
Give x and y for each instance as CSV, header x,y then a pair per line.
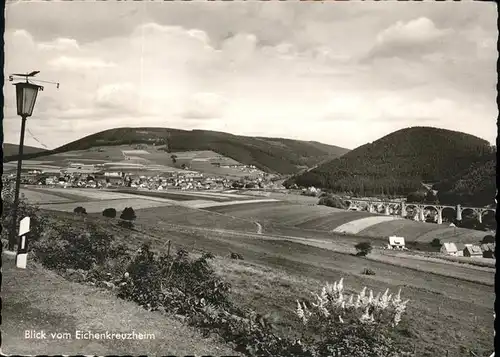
x,y
249,178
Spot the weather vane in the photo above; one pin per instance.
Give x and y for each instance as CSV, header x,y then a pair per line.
x,y
29,76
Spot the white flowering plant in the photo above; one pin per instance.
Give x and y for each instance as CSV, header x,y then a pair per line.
x,y
352,324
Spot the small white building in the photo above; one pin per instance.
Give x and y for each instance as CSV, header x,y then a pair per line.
x,y
396,243
454,249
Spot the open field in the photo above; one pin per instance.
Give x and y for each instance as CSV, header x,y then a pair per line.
x,y
83,193
179,195
38,197
185,216
364,224
39,299
278,212
99,206
358,225
423,232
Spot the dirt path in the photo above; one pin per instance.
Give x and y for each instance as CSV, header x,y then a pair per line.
x,y
38,299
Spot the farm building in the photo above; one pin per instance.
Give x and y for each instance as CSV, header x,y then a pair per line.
x,y
471,250
396,243
488,250
455,249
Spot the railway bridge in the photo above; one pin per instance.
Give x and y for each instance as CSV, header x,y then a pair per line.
x,y
400,208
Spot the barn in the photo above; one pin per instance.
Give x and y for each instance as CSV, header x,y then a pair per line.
x,y
471,250
488,250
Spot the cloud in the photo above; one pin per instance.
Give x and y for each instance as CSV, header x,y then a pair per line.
x,y
204,106
60,44
78,63
413,38
118,96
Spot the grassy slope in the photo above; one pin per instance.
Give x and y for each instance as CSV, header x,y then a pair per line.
x,y
39,299
270,154
399,161
325,219
275,273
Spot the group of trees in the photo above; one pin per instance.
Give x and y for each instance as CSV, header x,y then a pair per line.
x,y
126,218
332,201
423,196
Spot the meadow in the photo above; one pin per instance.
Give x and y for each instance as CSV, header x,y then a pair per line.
x,y
363,224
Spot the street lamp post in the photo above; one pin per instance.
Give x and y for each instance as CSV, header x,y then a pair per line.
x,y
26,94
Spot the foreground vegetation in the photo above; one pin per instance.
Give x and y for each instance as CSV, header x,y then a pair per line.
x,y
332,322
274,274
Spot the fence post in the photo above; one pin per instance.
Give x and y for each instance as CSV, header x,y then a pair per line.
x,y
168,249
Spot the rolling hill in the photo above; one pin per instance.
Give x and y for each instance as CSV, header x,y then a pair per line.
x,y
284,156
399,162
13,149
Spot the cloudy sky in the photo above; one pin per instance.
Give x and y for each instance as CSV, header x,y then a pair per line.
x,y
339,73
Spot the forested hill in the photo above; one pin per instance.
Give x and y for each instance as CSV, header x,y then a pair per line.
x,y
277,155
399,162
476,186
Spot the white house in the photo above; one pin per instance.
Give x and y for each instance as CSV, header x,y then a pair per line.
x,y
455,249
396,243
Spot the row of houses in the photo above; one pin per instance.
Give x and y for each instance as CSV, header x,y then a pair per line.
x,y
469,250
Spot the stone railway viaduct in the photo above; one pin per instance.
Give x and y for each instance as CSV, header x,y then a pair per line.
x,y
400,208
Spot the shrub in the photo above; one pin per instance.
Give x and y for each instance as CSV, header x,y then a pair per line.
x,y
236,256
38,222
178,284
368,271
436,243
127,216
69,247
488,239
109,212
363,249
80,210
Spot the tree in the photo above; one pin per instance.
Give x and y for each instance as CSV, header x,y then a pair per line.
x,y
363,249
416,197
109,212
332,201
436,243
127,216
80,210
488,239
